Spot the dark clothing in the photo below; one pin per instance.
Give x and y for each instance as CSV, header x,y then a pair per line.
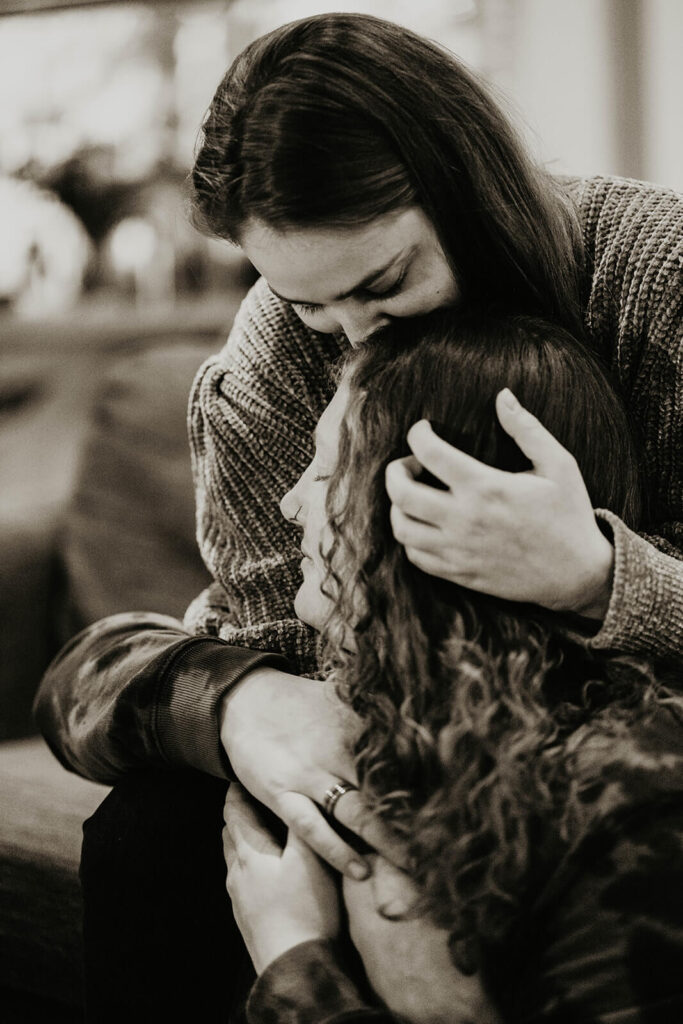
x,y
161,943
599,934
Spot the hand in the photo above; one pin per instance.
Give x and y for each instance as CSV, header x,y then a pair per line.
x,y
287,740
280,897
407,961
522,536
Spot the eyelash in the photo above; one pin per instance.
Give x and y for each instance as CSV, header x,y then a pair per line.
x,y
388,294
321,476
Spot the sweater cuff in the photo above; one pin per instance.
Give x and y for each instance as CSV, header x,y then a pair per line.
x,y
645,613
191,689
308,985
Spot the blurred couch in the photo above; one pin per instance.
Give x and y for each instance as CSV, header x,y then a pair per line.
x,y
96,517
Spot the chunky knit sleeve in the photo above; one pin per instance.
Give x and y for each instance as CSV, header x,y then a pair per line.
x,y
634,240
253,410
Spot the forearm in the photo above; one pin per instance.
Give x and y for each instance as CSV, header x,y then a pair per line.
x,y
136,690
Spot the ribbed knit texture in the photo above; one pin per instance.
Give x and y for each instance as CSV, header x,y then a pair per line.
x,y
254,407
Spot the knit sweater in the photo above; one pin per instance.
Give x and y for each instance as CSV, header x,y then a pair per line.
x,y
141,689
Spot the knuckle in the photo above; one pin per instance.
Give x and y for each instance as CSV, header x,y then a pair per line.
x,y
493,494
333,855
401,534
305,828
418,558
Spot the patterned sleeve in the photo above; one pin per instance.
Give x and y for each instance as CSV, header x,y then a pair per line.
x,y
134,690
634,237
311,984
609,947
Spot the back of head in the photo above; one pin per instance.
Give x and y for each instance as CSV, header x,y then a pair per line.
x,y
465,698
338,118
448,368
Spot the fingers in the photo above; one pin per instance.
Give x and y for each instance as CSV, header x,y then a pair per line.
x,y
433,564
393,890
351,812
420,501
413,532
445,462
305,818
546,453
245,831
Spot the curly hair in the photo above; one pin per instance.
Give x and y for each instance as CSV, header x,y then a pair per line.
x,y
466,700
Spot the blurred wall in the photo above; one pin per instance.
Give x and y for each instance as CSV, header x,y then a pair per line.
x,y
596,85
663,91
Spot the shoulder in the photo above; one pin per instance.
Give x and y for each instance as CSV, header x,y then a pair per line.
x,y
633,244
611,205
632,231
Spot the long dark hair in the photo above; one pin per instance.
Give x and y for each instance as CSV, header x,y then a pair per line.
x,y
339,118
467,700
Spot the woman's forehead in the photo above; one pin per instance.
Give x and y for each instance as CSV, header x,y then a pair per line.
x,y
329,424
323,265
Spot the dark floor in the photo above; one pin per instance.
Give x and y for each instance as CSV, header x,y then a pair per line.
x,y
23,1008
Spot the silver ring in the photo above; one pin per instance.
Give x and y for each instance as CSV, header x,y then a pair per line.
x,y
333,794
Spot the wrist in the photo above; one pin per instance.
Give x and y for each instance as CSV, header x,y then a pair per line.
x,y
281,937
595,595
254,686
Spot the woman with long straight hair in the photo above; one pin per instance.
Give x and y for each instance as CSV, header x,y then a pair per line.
x,y
533,785
369,177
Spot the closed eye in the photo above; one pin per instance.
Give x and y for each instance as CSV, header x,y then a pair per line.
x,y
388,293
393,289
306,307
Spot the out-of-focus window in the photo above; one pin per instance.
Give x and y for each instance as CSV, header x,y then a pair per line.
x,y
102,104
95,146
98,139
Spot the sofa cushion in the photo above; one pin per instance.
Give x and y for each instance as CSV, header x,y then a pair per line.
x,y
129,540
42,809
45,404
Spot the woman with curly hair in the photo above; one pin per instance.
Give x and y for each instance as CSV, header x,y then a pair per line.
x,y
533,786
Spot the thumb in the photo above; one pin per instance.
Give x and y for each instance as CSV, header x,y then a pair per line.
x,y
547,455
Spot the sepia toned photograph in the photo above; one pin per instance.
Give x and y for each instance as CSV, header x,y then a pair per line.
x,y
341,512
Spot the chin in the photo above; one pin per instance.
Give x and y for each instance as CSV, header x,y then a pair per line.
x,y
311,606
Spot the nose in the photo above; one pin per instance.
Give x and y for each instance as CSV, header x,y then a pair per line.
x,y
290,505
358,320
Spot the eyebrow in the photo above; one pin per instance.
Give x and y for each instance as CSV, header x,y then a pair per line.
x,y
369,279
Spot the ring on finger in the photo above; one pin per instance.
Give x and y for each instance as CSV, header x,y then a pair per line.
x,y
334,793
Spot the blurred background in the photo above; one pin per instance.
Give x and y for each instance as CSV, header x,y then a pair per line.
x,y
99,268
102,102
